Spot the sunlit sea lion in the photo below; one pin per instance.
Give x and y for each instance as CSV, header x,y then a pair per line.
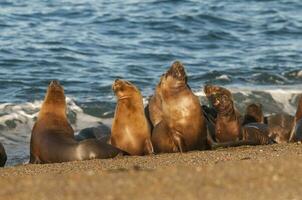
x,y
130,128
52,138
176,114
228,127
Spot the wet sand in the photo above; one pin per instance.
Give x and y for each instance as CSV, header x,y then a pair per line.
x,y
262,172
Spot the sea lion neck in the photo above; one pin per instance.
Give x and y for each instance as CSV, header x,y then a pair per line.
x,y
54,103
52,109
177,71
177,88
228,112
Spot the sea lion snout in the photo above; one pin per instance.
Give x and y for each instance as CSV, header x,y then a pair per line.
x,y
177,70
54,82
55,85
116,84
207,89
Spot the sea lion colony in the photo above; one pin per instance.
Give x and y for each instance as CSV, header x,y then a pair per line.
x,y
173,121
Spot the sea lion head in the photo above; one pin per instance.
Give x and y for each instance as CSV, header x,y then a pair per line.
x,y
220,98
54,100
175,77
254,113
124,89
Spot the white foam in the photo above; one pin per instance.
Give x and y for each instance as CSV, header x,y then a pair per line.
x,y
283,95
23,116
299,74
223,77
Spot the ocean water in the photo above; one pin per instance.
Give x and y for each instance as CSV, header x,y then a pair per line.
x,y
254,48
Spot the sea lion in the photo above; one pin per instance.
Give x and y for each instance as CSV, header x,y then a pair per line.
x,y
100,132
52,138
228,128
130,128
3,156
280,126
296,133
176,114
253,114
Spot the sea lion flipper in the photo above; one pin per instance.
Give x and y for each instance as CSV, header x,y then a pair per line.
x,y
33,159
148,147
179,141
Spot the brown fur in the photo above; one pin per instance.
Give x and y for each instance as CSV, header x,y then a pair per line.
x,y
296,132
3,156
279,124
130,129
176,114
228,127
52,138
253,114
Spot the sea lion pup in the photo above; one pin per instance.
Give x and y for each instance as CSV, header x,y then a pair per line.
x,y
52,138
3,156
280,126
228,129
130,128
296,133
253,114
176,114
100,132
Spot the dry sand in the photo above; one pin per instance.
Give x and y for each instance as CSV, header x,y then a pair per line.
x,y
262,172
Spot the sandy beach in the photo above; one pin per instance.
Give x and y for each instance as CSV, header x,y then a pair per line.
x,y
261,172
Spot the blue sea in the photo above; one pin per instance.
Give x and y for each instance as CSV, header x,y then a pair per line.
x,y
252,47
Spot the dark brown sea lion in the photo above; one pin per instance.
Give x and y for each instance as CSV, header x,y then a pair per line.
x,y
228,127
253,114
176,114
296,133
280,126
3,156
52,138
100,132
130,128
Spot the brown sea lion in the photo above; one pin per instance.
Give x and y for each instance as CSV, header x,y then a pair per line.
x,y
3,156
253,114
130,128
52,138
280,126
176,114
228,127
296,133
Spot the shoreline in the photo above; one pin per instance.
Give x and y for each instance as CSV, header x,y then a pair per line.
x,y
260,172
